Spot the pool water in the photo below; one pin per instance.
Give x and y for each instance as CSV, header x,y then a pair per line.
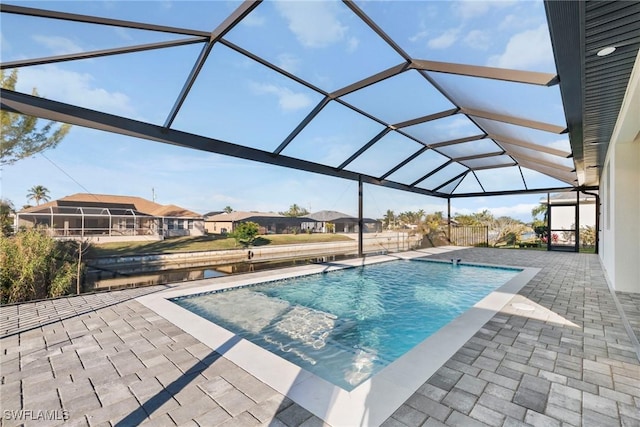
x,y
346,325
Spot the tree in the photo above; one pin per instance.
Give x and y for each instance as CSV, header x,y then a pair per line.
x,y
540,225
389,219
431,223
506,229
228,209
21,135
587,235
35,266
540,209
245,233
38,193
295,211
6,222
466,220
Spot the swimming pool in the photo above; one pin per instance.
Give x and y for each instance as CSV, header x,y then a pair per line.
x,y
376,398
347,325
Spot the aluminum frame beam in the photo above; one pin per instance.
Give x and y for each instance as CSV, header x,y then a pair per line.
x,y
100,53
513,141
504,74
504,118
231,21
88,19
57,111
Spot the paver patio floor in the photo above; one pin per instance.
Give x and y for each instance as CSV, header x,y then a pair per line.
x,y
105,359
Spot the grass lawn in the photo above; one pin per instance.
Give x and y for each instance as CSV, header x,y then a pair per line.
x,y
203,243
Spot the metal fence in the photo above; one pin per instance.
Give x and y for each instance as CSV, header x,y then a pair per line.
x,y
469,235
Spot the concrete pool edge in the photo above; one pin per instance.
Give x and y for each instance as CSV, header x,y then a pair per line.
x,y
368,404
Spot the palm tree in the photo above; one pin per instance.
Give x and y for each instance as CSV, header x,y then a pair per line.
x,y
295,211
389,219
38,193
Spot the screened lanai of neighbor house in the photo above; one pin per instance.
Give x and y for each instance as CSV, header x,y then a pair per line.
x,y
361,97
109,218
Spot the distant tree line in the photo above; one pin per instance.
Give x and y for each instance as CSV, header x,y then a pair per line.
x,y
502,229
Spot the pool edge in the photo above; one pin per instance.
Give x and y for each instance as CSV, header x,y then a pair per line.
x,y
371,402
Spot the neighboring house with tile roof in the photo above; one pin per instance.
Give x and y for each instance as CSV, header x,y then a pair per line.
x,y
338,222
109,218
269,222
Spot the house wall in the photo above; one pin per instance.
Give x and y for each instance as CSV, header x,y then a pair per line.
x,y
620,187
217,227
180,227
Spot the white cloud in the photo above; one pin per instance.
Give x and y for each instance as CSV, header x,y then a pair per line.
x,y
314,23
525,50
288,62
254,20
352,44
73,88
519,21
469,9
513,211
287,99
478,39
57,45
123,33
5,46
455,124
418,36
445,40
520,211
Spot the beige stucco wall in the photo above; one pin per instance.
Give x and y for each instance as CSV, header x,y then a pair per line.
x,y
215,227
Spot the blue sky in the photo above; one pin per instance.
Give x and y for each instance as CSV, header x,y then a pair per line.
x,y
238,100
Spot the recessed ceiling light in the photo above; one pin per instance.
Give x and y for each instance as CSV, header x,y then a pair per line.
x,y
606,51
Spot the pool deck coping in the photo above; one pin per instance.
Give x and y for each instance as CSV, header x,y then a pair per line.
x,y
373,401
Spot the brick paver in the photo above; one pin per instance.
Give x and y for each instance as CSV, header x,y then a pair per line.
x,y
104,359
561,371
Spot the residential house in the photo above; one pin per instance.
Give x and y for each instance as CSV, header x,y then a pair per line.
x,y
269,222
108,218
338,222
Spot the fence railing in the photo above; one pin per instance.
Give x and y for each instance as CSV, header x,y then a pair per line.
x,y
64,232
469,235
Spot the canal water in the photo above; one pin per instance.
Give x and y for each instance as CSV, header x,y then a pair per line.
x,y
104,279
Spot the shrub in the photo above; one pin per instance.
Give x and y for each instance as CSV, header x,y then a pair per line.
x,y
245,233
35,266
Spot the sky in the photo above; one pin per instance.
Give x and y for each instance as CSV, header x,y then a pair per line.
x,y
237,100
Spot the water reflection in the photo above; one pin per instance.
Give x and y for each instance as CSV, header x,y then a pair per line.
x,y
112,279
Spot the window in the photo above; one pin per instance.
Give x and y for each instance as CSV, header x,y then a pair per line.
x,y
169,224
190,224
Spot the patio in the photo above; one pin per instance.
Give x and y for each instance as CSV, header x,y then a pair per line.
x,y
105,359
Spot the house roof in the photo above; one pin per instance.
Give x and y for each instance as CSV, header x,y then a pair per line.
x,y
137,204
240,216
328,216
567,198
335,216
